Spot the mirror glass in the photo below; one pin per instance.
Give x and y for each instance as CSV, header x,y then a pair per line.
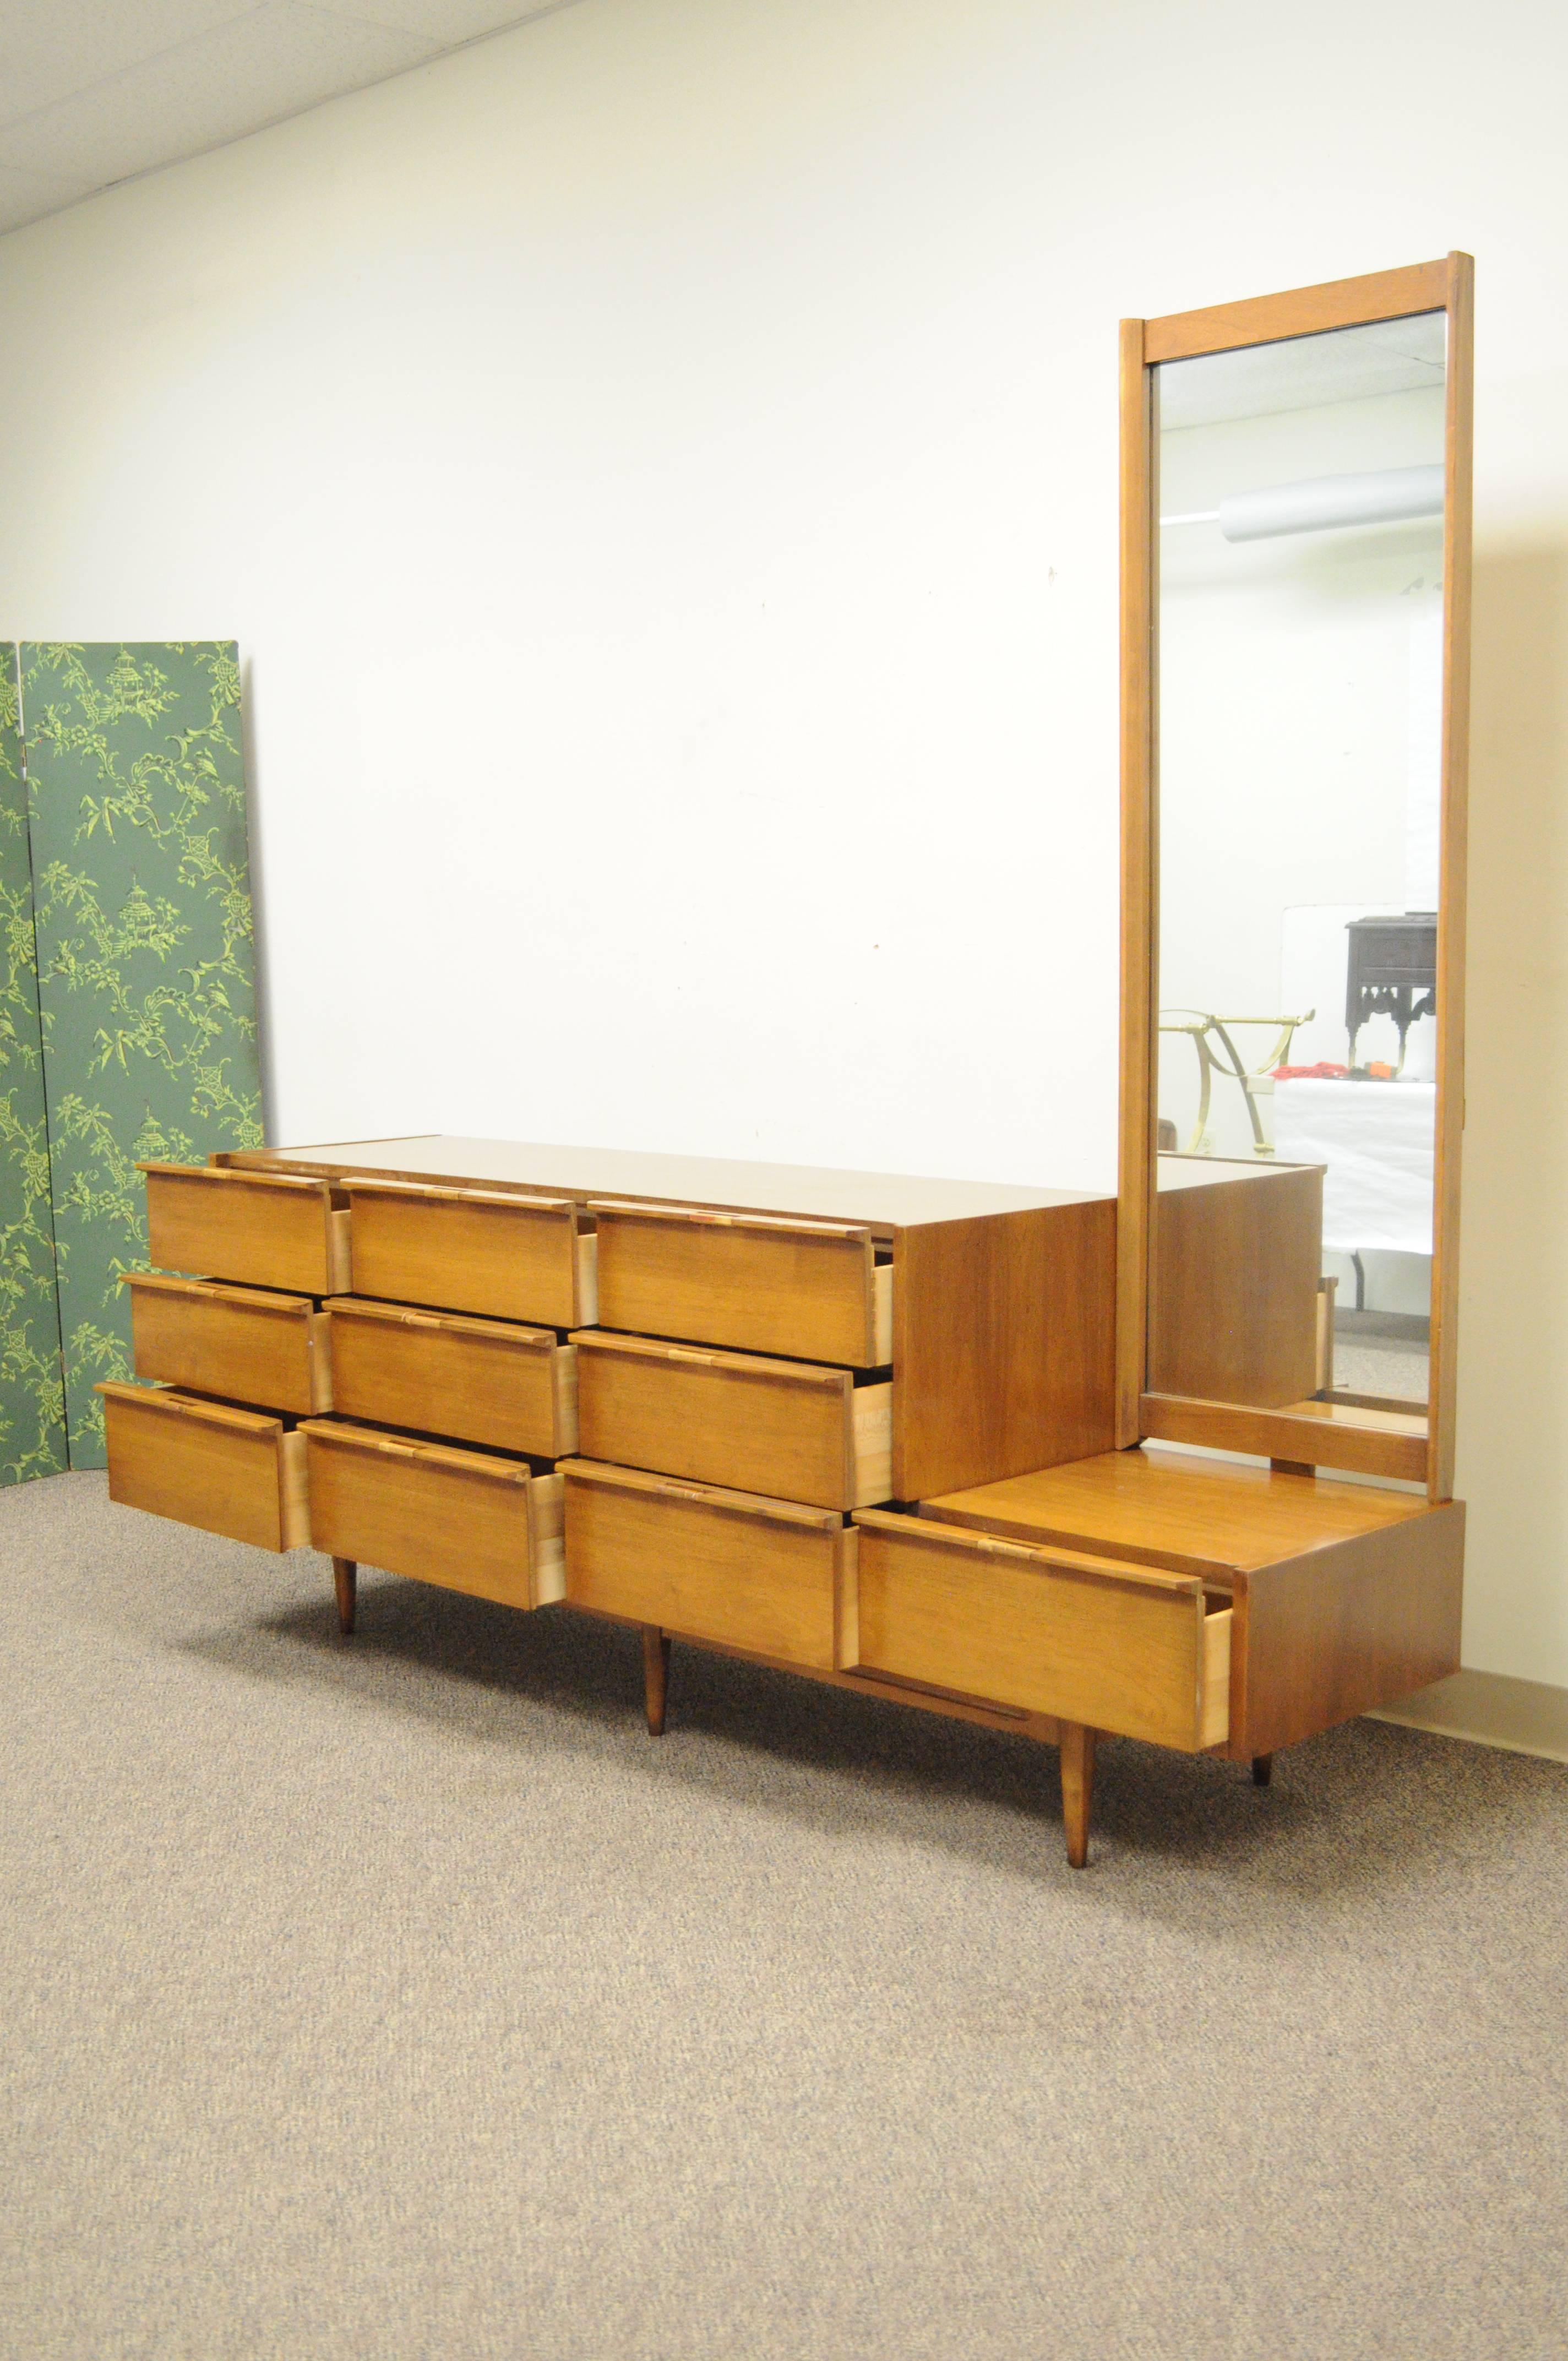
x,y
1299,548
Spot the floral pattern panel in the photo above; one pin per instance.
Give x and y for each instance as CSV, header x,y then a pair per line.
x,y
141,885
32,1404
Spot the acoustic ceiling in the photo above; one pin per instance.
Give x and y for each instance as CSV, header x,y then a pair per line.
x,y
93,92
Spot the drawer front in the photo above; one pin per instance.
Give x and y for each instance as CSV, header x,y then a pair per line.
x,y
241,1343
483,1381
229,1471
457,1518
1122,1648
811,1289
472,1250
264,1229
789,1430
761,1575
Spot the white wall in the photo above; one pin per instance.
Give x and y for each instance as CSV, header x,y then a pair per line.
x,y
662,467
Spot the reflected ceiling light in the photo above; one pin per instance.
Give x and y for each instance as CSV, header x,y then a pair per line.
x,y
1384,495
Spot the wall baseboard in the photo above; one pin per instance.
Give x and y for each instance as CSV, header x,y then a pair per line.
x,y
1490,1709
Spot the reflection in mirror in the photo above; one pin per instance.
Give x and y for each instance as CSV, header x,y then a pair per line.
x,y
1301,614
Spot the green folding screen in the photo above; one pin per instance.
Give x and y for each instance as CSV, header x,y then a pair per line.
x,y
127,864
32,1407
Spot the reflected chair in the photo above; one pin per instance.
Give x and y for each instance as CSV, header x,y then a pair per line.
x,y
1204,1031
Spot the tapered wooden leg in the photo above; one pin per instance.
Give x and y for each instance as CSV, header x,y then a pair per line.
x,y
1262,1769
655,1676
343,1573
1076,1789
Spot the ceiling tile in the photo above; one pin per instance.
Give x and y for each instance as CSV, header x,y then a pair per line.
x,y
28,196
275,60
51,49
447,22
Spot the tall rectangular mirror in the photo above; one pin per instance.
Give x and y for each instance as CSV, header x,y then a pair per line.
x,y
1296,597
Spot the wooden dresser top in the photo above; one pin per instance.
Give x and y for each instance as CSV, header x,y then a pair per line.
x,y
1197,1515
880,1201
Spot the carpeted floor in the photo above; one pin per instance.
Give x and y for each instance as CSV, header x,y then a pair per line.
x,y
400,1997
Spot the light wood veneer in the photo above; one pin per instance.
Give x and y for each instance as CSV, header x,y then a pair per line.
x,y
1233,1280
243,1343
1068,1590
472,1250
709,1563
1346,1596
785,1429
230,1471
464,1519
1082,1638
444,1373
271,1229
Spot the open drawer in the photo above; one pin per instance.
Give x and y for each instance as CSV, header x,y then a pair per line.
x,y
473,1250
446,1373
243,1343
811,1289
1114,1647
266,1229
236,1472
782,1428
766,1576
462,1519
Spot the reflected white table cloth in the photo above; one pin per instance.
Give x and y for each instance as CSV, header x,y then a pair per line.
x,y
1377,1140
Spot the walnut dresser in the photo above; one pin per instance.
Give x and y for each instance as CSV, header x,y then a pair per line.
x,y
856,1427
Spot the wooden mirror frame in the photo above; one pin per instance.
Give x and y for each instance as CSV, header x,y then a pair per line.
x,y
1365,1442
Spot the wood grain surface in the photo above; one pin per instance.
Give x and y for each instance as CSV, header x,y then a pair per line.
x,y
265,1230
1003,1346
1453,891
1111,1646
785,1429
881,1202
444,1373
1347,1627
706,1561
244,1344
1078,1746
802,1288
204,1464
1140,854
1299,311
1391,1444
1202,1516
467,1250
460,1519
1234,1281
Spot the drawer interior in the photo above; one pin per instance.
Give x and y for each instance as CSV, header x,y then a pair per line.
x,y
810,1290
262,1229
448,1373
506,1258
247,1345
1128,1649
469,1521
229,1471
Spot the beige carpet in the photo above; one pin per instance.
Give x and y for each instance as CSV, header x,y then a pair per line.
x,y
402,1998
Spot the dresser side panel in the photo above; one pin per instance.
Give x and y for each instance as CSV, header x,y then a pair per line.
x,y
1004,1339
1341,1630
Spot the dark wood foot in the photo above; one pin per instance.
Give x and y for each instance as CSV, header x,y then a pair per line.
x,y
1262,1769
343,1574
1076,1789
1293,1467
655,1676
